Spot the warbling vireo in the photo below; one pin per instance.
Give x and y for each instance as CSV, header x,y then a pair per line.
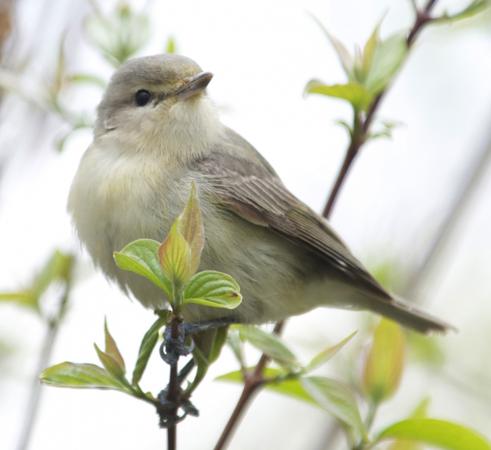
x,y
156,132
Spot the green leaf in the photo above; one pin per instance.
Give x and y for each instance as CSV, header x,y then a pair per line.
x,y
325,355
354,93
385,361
286,385
86,78
268,343
112,349
110,364
344,56
175,256
439,433
235,344
141,257
336,398
57,268
147,345
472,9
170,46
22,298
419,412
213,289
325,393
208,345
191,227
89,376
119,35
369,49
387,60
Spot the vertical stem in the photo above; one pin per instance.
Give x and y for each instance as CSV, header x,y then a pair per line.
x,y
174,392
34,401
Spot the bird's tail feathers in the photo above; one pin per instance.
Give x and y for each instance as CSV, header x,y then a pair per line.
x,y
409,316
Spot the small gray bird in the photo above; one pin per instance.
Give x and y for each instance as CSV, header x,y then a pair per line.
x,y
157,132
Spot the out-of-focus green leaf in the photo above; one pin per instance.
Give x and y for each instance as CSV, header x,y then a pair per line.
x,y
22,298
175,256
426,349
112,349
419,412
337,399
57,268
344,56
439,433
213,289
289,386
73,375
208,345
86,78
325,355
269,344
369,49
141,257
191,227
473,8
385,361
119,35
170,46
354,93
235,344
325,393
146,348
387,60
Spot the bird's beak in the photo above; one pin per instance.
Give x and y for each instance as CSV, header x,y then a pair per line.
x,y
194,85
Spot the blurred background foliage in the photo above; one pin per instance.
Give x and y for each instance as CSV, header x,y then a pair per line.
x,y
47,106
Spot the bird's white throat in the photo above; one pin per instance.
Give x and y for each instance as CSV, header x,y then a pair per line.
x,y
186,131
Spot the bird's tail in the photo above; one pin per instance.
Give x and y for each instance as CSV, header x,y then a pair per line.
x,y
409,316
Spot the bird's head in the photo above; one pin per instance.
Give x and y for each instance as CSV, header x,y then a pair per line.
x,y
158,102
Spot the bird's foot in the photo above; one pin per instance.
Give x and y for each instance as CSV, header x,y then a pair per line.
x,y
172,412
174,345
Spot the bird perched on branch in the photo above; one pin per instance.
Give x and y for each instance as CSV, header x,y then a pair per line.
x,y
157,131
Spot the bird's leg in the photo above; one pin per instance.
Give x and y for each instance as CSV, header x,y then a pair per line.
x,y
191,328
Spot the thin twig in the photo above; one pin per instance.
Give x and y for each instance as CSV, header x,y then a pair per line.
x,y
360,133
173,395
32,409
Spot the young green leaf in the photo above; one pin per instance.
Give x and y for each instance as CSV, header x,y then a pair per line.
x,y
369,49
419,412
175,256
141,257
112,349
57,268
110,364
213,289
208,345
354,93
22,298
146,348
439,433
191,226
337,399
344,56
387,60
170,46
473,8
385,361
73,375
269,344
327,354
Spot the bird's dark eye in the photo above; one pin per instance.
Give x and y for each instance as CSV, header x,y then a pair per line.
x,y
142,97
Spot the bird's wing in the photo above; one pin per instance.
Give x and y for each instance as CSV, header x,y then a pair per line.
x,y
253,192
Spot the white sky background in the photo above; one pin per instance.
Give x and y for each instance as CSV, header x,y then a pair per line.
x,y
262,53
